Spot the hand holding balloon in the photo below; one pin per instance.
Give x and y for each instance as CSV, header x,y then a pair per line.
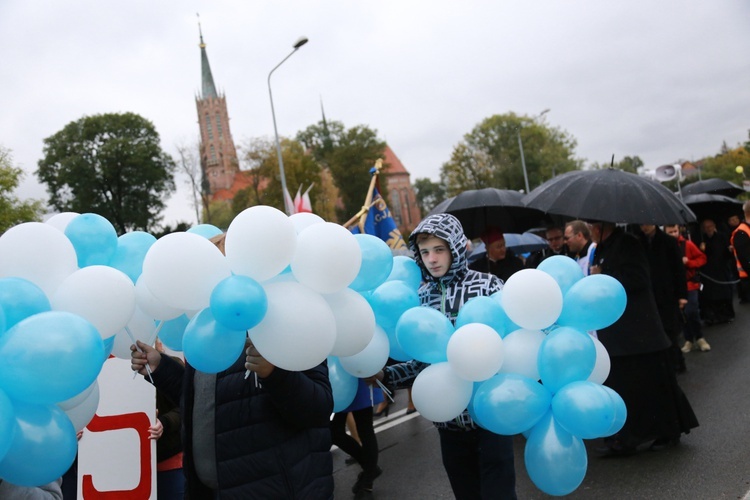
x,y
144,358
257,363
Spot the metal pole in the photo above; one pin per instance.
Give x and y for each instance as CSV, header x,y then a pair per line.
x,y
287,208
523,162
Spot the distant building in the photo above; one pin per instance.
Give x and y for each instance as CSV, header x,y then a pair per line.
x,y
402,200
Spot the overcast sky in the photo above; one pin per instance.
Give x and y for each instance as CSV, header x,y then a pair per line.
x,y
664,80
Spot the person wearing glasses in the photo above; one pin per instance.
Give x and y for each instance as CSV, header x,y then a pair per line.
x,y
556,246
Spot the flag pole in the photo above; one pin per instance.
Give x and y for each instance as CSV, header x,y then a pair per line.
x,y
362,214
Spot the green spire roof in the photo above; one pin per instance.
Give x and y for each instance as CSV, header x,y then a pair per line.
x,y
207,79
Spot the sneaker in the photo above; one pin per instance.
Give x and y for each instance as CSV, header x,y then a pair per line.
x,y
703,345
365,480
687,347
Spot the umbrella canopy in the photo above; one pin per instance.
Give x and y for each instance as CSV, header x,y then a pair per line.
x,y
713,206
713,186
478,209
609,195
519,243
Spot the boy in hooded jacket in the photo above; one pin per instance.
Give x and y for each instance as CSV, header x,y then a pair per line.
x,y
479,463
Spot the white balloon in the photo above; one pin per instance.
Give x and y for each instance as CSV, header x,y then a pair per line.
x,y
521,352
327,257
101,294
532,299
355,322
603,363
182,269
39,253
371,359
60,221
151,306
81,408
299,329
439,394
475,352
304,219
141,326
260,242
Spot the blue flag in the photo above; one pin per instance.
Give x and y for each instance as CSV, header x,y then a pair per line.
x,y
380,223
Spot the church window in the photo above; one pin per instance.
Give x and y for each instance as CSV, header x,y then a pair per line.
x,y
209,130
218,124
213,154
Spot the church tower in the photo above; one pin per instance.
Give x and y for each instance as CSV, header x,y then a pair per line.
x,y
218,154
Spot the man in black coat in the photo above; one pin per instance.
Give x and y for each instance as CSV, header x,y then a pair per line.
x,y
499,260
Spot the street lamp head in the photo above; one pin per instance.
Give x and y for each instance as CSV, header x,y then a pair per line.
x,y
299,43
545,111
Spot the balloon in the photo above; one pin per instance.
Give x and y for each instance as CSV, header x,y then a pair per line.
x,y
304,219
621,412
7,423
343,385
565,356
593,303
407,270
532,299
60,221
508,325
377,262
209,346
298,330
238,302
371,359
355,322
260,242
131,250
555,460
396,351
423,333
208,231
565,271
151,306
485,310
108,344
49,357
20,299
101,294
601,368
172,332
439,394
475,352
584,409
141,327
509,403
390,300
94,239
43,447
181,270
521,353
39,253
327,258
80,409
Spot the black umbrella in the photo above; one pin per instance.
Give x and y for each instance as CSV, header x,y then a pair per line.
x,y
713,186
478,209
713,206
519,243
609,195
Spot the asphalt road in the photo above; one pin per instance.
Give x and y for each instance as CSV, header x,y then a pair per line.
x,y
712,462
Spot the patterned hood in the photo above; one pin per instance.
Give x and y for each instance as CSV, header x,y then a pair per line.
x,y
448,228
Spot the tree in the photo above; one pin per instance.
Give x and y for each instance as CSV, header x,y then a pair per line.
x,y
489,155
12,210
348,154
724,165
190,165
428,193
109,164
628,164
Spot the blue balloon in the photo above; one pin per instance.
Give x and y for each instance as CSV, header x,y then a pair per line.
x,y
390,300
485,310
621,411
377,263
131,250
593,303
238,302
172,331
508,324
472,411
209,346
423,333
584,409
50,357
555,459
406,269
21,299
109,344
565,271
94,239
7,423
395,350
43,447
566,355
208,231
509,403
3,321
343,384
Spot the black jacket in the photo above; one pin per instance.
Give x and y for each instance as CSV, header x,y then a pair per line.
x,y
272,441
503,269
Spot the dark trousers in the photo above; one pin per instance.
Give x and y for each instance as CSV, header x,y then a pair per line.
x,y
366,454
743,290
479,464
692,329
170,484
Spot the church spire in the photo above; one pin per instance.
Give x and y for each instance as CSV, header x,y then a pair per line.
x,y
207,79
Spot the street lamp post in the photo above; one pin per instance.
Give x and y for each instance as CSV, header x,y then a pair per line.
x,y
303,40
520,147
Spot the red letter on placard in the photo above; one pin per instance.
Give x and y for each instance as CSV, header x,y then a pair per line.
x,y
140,423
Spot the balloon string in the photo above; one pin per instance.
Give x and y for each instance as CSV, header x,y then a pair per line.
x,y
148,368
155,334
385,390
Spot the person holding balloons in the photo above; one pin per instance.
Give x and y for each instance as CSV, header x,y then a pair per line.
x,y
479,463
